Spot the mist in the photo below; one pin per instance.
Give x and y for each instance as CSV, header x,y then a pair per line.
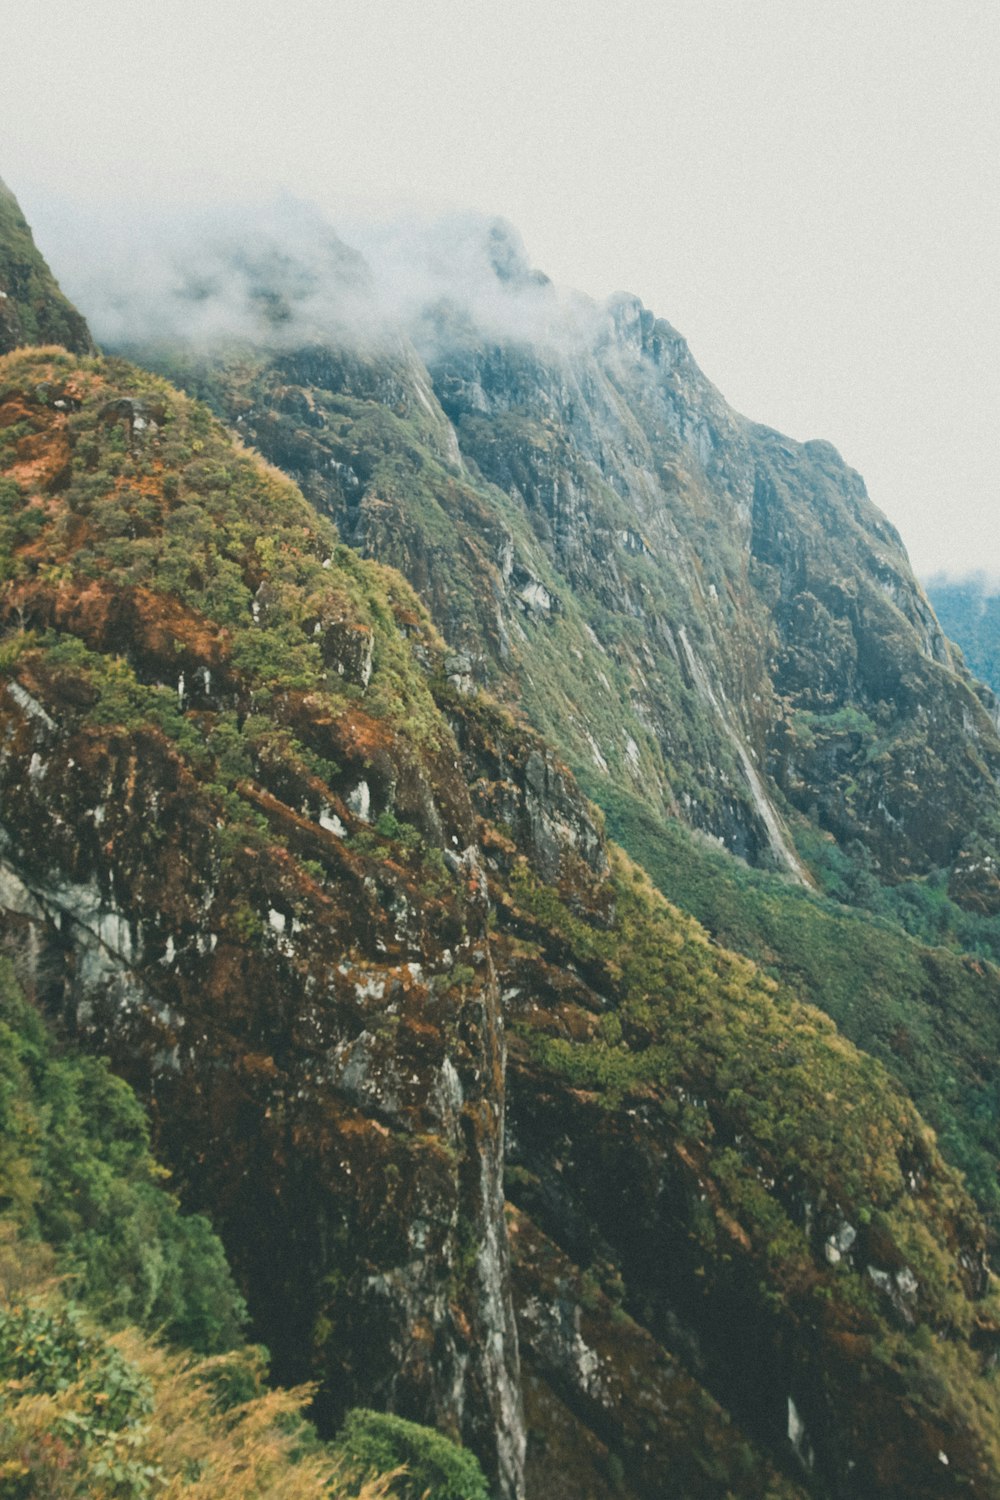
x,y
972,580
279,273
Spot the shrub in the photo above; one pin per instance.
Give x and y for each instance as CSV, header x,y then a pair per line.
x,y
372,1442
76,1169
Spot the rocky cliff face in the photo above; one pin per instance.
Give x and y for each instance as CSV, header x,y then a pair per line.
x,y
690,606
362,946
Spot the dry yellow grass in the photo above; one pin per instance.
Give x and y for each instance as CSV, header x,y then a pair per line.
x,y
188,1446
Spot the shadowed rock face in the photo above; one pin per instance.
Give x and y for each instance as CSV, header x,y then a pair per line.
x,y
263,845
690,606
32,308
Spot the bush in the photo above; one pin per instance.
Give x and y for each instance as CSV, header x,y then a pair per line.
x,y
372,1442
76,1170
116,1418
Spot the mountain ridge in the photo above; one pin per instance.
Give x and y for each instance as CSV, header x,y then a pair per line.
x,y
549,504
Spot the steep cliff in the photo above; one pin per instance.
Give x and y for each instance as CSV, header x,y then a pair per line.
x,y
263,846
190,779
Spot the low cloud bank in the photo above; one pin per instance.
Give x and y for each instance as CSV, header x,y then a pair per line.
x,y
280,273
974,581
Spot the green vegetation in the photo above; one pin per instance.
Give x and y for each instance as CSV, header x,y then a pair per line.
x,y
733,1068
847,720
76,1172
921,906
88,1415
929,1014
689,1012
371,1443
34,310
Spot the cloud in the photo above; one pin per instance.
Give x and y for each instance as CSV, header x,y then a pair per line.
x,y
206,274
277,273
973,581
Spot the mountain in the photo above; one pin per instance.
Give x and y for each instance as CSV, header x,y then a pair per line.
x,y
495,1137
711,623
32,308
969,610
305,893
591,524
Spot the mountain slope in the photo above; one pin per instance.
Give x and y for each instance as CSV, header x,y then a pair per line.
x,y
262,846
32,308
689,605
712,623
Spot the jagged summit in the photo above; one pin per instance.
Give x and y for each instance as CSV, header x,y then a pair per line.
x,y
509,257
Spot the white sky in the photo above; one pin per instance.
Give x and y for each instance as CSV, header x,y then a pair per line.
x,y
807,189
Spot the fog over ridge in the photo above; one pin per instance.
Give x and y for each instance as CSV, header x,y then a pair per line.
x,y
279,272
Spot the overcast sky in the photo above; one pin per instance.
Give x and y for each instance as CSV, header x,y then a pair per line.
x,y
807,189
